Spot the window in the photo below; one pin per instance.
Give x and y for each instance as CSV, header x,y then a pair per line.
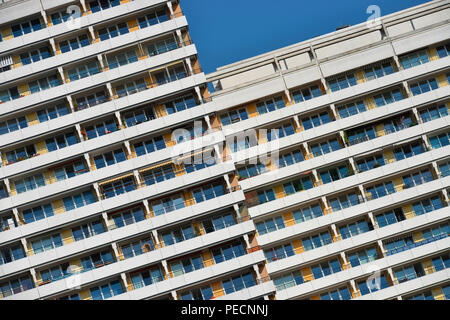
x,y
75,43
98,5
69,171
270,105
289,159
378,70
243,142
208,192
388,97
292,187
79,200
130,88
52,112
118,187
408,151
106,291
351,109
83,71
316,241
61,141
128,217
390,217
162,46
55,273
100,129
26,27
433,112
44,83
252,170
307,213
228,252
137,248
414,59
423,86
167,205
325,147
178,235
219,222
342,82
398,245
122,59
233,116
12,253
13,125
356,136
344,201
158,175
289,280
38,213
152,19
170,74
113,31
444,168
338,294
334,174
238,283
427,205
440,141
380,190
355,228
91,100
146,278
109,158
59,17
443,50
417,178
427,295
315,120
46,243
362,256
187,265
306,94
88,230
35,55
16,286
195,165
9,94
30,183
21,154
266,196
370,163
136,117
397,124
270,225
325,268
280,132
7,222
279,252
373,287
441,262
205,293
96,260
180,104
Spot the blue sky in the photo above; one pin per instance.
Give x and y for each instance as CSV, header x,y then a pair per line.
x,y
226,31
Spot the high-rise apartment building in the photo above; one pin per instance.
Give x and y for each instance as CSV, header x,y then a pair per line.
x,y
102,106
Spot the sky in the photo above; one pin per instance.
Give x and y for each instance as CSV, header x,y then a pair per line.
x,y
226,31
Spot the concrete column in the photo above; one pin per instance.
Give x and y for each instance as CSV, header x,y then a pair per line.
x,y
247,241
127,146
8,186
436,168
208,122
169,5
166,269
316,176
344,258
105,219
138,177
383,249
372,219
174,295
124,279
97,190
83,4
33,275
352,283
109,87
333,227
91,31
361,189
333,110
405,85
52,43
180,37
116,251
189,64
24,245
227,180
288,95
416,114
266,297
297,122
255,267
445,193
305,145
146,205
341,134
88,160
69,100
44,16
61,73
78,128
119,119
155,235
100,59
352,163
399,298
199,95
325,203
16,216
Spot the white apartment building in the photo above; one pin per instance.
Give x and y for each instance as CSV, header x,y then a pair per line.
x,y
94,203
